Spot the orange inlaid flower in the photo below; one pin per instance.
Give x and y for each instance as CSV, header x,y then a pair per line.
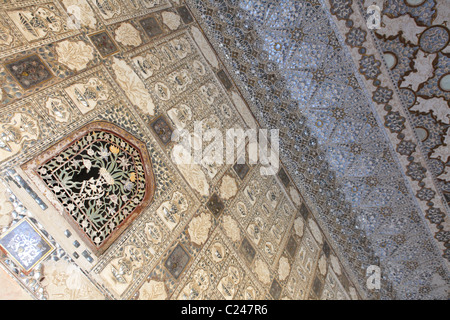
x,y
114,149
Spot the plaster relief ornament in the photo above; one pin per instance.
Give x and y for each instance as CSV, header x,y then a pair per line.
x,y
231,228
162,91
6,208
65,281
180,115
58,109
241,209
250,293
199,67
181,47
180,80
128,35
171,20
88,94
37,22
199,227
276,232
335,265
204,47
6,37
218,252
262,271
315,231
210,92
269,249
254,232
153,233
191,171
284,268
228,285
20,129
81,10
172,211
147,64
133,86
228,188
74,55
109,8
251,191
295,196
153,290
272,196
322,265
120,271
151,3
196,289
298,226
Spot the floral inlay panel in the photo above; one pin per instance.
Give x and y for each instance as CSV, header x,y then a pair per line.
x,y
102,178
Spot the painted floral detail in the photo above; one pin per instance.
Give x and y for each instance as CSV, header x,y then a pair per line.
x,y
198,228
74,55
382,95
416,171
356,37
394,121
128,35
369,67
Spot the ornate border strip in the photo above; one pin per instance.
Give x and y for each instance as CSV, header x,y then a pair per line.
x,y
349,20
